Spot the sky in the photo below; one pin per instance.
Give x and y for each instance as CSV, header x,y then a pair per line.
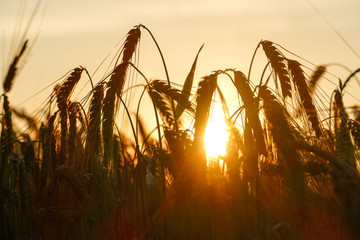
x,y
84,32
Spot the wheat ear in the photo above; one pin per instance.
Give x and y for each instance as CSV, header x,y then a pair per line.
x,y
278,64
13,68
298,77
203,102
315,77
251,110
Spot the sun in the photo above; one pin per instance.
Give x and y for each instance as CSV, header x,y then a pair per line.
x,y
216,136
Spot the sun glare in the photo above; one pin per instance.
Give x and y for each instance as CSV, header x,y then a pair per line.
x,y
216,136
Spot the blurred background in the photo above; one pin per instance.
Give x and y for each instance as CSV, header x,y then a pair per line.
x,y
84,32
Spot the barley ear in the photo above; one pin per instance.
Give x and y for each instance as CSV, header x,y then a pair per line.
x,y
74,145
298,78
49,160
284,140
354,127
251,110
163,105
63,93
10,76
278,63
8,137
172,93
344,149
203,103
65,89
117,79
93,138
345,176
186,91
315,78
131,42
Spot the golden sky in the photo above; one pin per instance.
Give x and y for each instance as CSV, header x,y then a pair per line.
x,y
83,32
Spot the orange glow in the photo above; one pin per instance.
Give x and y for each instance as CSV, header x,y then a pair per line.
x,y
216,136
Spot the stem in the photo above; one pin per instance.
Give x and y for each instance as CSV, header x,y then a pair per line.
x,y
166,72
138,109
132,125
87,73
348,79
83,110
252,59
137,112
162,167
263,73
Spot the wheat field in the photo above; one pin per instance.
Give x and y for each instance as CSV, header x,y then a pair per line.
x,y
91,169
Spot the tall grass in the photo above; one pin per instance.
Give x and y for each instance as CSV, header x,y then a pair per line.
x,y
285,174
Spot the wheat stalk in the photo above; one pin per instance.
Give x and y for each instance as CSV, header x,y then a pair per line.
x,y
74,111
49,157
284,139
75,181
